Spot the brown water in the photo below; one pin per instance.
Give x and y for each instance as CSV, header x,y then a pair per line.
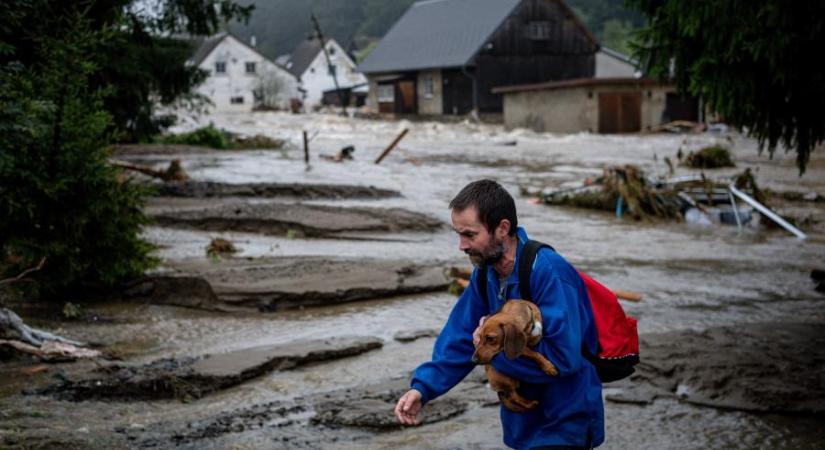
x,y
692,277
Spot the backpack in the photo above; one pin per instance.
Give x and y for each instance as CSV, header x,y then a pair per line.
x,y
618,339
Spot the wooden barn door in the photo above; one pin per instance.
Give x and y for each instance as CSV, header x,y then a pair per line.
x,y
406,97
620,112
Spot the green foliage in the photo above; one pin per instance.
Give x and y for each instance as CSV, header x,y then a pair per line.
x,y
59,196
754,63
207,136
136,63
610,21
712,157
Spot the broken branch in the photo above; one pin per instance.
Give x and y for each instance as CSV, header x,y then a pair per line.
x,y
392,145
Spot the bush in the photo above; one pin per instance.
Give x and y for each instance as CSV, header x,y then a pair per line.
x,y
712,157
59,196
207,136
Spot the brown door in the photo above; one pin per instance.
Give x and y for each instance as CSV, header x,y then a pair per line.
x,y
620,112
406,92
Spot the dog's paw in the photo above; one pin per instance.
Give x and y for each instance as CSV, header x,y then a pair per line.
x,y
549,369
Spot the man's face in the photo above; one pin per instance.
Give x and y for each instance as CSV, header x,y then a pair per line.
x,y
479,244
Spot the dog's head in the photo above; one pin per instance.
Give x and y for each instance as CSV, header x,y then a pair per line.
x,y
499,333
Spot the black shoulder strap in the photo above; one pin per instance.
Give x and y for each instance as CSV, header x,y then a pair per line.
x,y
482,282
525,266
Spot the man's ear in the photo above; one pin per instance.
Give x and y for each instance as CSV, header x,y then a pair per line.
x,y
514,340
503,229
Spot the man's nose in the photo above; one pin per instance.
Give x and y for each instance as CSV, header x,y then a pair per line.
x,y
463,245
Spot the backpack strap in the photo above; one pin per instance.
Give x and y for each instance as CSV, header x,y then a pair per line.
x,y
482,282
525,266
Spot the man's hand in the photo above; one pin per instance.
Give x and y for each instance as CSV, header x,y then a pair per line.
x,y
477,332
408,407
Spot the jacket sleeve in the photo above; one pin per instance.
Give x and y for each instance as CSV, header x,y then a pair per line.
x,y
564,319
453,350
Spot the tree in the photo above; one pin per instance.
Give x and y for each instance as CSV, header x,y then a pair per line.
x,y
754,63
139,63
59,196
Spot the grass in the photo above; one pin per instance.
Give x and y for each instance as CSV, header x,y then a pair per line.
x,y
211,137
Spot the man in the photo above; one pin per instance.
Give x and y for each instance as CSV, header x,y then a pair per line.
x,y
570,414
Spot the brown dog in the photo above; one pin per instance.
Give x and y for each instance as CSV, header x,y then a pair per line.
x,y
512,330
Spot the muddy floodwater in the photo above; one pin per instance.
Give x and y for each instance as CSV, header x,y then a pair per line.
x,y
694,279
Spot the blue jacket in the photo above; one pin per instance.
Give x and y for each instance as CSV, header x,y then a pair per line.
x,y
570,407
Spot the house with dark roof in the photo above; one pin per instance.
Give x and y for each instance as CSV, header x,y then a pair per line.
x,y
309,63
446,56
242,79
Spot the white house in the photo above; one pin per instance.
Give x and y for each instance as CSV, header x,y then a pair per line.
x,y
309,64
240,78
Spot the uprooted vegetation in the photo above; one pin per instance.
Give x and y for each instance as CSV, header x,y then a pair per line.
x,y
711,157
623,189
209,136
626,191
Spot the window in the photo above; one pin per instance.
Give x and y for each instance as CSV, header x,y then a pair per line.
x,y
250,67
386,93
331,50
427,81
539,30
332,69
220,67
236,100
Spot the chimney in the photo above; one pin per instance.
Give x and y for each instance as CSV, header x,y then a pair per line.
x,y
252,41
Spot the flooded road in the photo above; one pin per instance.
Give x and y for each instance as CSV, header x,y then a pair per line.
x,y
692,278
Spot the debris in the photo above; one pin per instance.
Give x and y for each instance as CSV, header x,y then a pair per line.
x,y
711,157
306,148
343,154
678,126
35,370
174,172
628,295
220,246
258,141
52,351
391,146
767,212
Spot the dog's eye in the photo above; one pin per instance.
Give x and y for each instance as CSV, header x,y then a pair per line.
x,y
489,338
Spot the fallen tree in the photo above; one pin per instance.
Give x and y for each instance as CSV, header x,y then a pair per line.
x,y
15,334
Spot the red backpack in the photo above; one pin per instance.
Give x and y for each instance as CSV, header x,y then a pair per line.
x,y
618,339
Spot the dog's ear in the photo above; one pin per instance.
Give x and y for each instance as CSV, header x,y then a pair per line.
x,y
514,340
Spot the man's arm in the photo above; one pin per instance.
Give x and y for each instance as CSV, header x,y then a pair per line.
x,y
453,350
566,318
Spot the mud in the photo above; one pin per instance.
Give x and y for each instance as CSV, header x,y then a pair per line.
x,y
205,189
273,284
776,367
194,377
294,220
315,421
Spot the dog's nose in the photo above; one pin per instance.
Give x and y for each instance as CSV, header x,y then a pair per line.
x,y
474,359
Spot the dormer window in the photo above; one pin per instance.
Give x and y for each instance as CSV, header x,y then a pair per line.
x,y
250,67
220,67
331,50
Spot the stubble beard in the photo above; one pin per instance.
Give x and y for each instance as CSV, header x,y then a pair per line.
x,y
487,256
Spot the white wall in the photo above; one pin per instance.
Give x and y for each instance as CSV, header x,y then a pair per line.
x,y
236,82
316,78
608,66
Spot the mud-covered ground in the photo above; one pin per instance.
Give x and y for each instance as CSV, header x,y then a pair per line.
x,y
731,324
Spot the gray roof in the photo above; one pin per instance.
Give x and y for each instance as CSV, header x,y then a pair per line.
x,y
437,33
303,55
205,47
